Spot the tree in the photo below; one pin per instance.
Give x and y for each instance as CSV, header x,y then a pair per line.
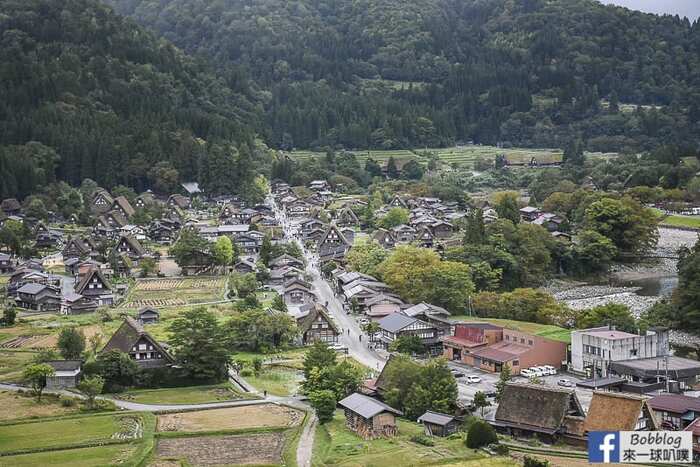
x,y
266,250
506,205
324,403
371,328
222,251
481,402
372,168
244,284
71,343
533,461
45,355
436,390
412,170
257,365
256,330
393,218
686,297
611,314
573,153
318,356
14,236
593,252
365,256
35,207
90,387
480,434
391,170
148,266
503,379
475,232
35,375
630,226
118,370
408,344
341,378
198,341
418,274
9,315
191,249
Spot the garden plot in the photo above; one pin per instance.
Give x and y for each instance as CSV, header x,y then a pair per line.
x,y
175,292
259,449
30,342
231,418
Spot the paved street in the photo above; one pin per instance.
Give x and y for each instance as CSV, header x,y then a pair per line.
x,y
357,349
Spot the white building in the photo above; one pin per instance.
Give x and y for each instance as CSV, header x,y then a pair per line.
x,y
597,347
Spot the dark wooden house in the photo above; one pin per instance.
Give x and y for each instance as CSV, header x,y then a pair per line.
x,y
131,339
317,326
439,424
368,417
148,315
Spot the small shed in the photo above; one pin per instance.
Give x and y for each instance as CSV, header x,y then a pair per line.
x,y
438,424
66,374
368,417
148,315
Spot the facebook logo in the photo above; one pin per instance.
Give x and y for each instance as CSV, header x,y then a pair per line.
x,y
604,447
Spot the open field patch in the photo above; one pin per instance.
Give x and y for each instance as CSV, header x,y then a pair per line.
x,y
335,445
231,418
156,302
276,380
682,221
82,457
263,448
15,406
182,395
62,432
12,363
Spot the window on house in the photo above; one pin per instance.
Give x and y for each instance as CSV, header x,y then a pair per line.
x,y
529,342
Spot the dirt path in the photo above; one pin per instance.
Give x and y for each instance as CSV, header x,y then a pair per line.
x,y
306,441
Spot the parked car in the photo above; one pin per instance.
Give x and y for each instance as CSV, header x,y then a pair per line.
x,y
550,369
364,322
456,373
527,373
565,383
472,379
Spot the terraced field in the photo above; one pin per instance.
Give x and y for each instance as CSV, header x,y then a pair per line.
x,y
464,156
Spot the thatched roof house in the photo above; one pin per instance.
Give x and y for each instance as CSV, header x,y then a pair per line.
x,y
615,411
526,409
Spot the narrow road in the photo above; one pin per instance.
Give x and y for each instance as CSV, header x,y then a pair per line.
x,y
351,332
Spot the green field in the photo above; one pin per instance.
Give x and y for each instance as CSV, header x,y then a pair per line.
x,y
682,221
184,395
83,457
543,330
336,445
276,380
57,433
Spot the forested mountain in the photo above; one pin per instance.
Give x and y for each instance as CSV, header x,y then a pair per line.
x,y
85,92
397,73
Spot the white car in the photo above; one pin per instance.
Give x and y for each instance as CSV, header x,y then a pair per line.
x,y
527,373
550,369
364,321
537,372
472,379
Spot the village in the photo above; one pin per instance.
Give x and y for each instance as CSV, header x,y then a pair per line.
x,y
292,256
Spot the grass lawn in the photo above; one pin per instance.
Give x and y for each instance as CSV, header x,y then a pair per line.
x,y
682,221
55,433
543,330
85,457
184,395
26,406
336,445
12,363
488,462
276,380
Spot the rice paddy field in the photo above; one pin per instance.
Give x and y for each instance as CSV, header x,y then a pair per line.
x,y
463,156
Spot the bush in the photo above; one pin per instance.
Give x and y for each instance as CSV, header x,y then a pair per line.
x,y
422,439
500,449
67,402
481,434
245,372
324,403
534,462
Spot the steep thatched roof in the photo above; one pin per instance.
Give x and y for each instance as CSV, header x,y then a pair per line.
x,y
304,324
128,334
614,411
536,407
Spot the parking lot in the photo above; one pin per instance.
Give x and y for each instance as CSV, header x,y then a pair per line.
x,y
489,380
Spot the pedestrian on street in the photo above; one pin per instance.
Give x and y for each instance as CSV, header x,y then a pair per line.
x,y
265,393
360,337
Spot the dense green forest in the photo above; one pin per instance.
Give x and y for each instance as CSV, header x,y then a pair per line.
x,y
86,93
398,73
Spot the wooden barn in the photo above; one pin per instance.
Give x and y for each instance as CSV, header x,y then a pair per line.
x,y
438,424
368,417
